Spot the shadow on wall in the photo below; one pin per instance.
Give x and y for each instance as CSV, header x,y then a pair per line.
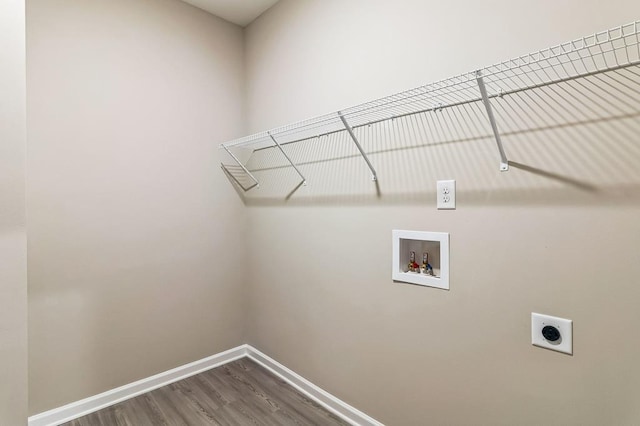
x,y
571,143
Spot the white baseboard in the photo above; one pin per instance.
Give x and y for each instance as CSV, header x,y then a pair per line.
x,y
317,394
89,405
86,406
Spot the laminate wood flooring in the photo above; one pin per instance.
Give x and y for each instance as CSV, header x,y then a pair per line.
x,y
238,393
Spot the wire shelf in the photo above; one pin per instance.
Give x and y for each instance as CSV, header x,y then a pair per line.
x,y
615,52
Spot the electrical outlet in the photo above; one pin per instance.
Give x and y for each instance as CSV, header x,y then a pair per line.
x,y
552,333
446,194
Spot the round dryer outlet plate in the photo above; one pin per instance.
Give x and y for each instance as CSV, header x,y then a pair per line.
x,y
548,340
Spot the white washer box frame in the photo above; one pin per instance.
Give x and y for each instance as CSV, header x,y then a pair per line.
x,y
421,279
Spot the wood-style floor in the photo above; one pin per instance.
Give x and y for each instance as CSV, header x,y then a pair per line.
x,y
238,393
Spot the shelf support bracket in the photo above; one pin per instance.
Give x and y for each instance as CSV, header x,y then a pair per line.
x,y
374,175
304,180
504,163
243,168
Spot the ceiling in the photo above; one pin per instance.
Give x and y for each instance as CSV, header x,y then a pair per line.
x,y
240,12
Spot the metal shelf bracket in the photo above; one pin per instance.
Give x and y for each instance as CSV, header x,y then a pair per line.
x,y
243,168
304,180
504,163
374,175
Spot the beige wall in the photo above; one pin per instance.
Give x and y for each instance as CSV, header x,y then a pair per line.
x,y
13,238
321,297
134,233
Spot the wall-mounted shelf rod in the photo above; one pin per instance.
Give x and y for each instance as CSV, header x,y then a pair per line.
x,y
504,163
606,61
501,94
374,175
304,180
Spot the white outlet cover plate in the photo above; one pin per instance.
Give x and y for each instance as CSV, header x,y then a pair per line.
x,y
565,326
446,194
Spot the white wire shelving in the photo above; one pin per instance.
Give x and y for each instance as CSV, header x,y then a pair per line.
x,y
615,52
